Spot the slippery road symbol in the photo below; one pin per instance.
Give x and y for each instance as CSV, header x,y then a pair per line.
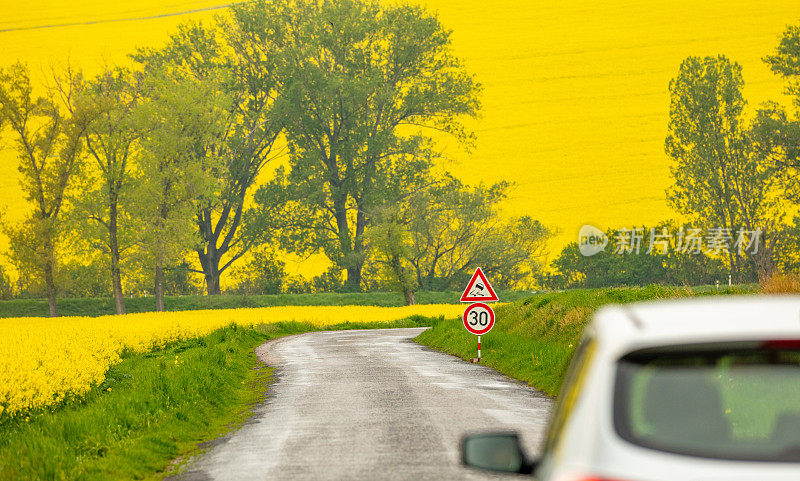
x,y
479,289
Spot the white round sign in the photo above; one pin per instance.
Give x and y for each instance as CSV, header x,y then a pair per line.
x,y
478,318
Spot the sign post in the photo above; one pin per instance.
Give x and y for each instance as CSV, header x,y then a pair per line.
x,y
478,316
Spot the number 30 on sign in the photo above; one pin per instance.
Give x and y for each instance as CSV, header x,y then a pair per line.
x,y
479,318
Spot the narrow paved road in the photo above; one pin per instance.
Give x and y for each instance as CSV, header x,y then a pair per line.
x,y
369,405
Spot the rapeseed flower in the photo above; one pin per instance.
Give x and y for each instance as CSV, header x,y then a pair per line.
x,y
45,361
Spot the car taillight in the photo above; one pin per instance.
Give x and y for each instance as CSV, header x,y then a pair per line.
x,y
778,344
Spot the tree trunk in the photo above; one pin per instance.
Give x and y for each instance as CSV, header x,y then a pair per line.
x,y
116,274
50,283
763,259
353,283
733,256
409,295
400,274
212,282
209,261
732,266
116,280
159,288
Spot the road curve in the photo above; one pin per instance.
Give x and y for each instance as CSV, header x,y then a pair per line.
x,y
369,405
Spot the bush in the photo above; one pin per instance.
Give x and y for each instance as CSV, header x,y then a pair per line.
x,y
180,280
264,274
781,284
329,281
84,280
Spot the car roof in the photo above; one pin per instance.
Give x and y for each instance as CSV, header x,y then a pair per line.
x,y
699,319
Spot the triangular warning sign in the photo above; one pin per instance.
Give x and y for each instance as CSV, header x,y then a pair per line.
x,y
478,289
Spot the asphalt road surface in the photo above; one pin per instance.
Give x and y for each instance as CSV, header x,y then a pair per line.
x,y
369,405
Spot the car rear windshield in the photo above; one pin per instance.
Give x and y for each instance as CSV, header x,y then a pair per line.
x,y
729,401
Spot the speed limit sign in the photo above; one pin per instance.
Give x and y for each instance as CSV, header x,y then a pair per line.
x,y
479,318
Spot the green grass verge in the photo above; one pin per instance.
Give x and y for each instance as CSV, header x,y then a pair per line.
x,y
151,408
103,306
533,340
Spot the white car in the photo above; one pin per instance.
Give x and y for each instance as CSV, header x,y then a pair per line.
x,y
705,389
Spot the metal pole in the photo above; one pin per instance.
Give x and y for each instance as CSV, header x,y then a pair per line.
x,y
479,348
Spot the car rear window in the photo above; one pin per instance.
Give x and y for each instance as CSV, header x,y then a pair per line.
x,y
736,401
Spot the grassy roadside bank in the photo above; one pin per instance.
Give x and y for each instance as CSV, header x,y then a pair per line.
x,y
533,339
104,306
151,408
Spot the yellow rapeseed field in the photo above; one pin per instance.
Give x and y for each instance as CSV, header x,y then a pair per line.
x,y
575,99
45,360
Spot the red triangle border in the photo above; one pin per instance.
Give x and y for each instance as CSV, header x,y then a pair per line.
x,y
479,274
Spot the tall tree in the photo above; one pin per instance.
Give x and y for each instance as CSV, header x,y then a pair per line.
x,y
246,142
48,142
776,138
368,84
785,61
180,121
718,181
776,131
109,143
390,242
438,234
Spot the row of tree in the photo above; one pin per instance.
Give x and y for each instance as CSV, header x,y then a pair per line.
x,y
347,99
640,265
730,172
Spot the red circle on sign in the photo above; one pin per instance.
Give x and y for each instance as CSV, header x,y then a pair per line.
x,y
478,318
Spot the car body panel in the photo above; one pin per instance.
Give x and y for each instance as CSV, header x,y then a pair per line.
x,y
588,444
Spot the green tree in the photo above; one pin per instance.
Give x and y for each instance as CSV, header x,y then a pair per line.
x,y
180,279
777,132
329,281
179,119
246,142
787,257
455,227
366,85
438,234
718,180
615,266
110,142
776,138
84,278
264,273
48,142
390,240
785,61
